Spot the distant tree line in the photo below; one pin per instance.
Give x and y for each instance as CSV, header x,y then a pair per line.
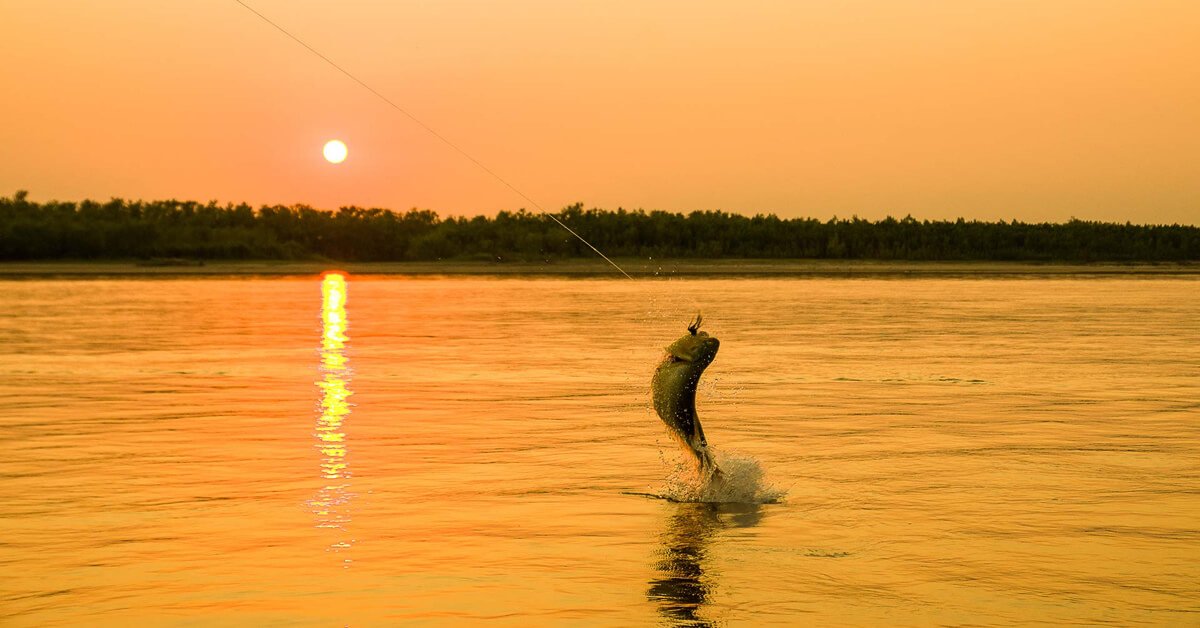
x,y
120,229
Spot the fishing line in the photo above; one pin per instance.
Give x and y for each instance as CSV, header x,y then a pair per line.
x,y
434,133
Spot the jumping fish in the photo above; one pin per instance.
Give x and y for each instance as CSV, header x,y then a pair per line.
x,y
674,392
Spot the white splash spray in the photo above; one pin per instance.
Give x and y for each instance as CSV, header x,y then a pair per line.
x,y
742,481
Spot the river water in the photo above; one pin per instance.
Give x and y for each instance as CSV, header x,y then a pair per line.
x,y
439,451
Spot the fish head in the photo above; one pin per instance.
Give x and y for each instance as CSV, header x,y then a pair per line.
x,y
698,348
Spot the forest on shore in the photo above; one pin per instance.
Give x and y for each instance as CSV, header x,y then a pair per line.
x,y
170,229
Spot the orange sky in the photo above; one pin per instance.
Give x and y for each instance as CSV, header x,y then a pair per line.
x,y
1028,109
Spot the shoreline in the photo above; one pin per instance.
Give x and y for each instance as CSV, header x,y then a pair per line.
x,y
638,268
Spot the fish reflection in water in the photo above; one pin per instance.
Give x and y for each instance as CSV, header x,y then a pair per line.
x,y
685,584
330,505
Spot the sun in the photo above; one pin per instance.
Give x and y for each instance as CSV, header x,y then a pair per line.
x,y
335,151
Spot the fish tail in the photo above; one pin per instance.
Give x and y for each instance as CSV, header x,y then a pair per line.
x,y
708,465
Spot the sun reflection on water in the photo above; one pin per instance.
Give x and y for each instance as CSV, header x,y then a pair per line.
x,y
330,505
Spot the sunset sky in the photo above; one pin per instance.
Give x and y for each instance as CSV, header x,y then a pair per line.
x,y
1035,110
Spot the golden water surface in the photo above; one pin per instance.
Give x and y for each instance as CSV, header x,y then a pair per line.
x,y
385,450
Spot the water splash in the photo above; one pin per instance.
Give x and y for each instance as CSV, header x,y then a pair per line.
x,y
742,481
